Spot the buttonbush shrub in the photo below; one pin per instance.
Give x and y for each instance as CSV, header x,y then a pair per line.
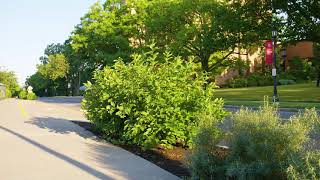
x,y
154,100
262,146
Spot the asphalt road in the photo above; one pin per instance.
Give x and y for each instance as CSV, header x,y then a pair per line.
x,y
38,141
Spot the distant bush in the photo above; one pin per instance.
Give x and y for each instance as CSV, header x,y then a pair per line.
x,y
27,96
154,100
286,81
237,82
31,96
262,146
23,94
301,69
254,79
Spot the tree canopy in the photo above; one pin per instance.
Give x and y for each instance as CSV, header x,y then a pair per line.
x,y
210,32
9,79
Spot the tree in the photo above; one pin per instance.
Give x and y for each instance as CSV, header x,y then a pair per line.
x,y
102,36
39,83
50,50
302,22
9,79
56,69
210,30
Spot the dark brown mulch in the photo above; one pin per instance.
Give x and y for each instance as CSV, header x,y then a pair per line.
x,y
172,160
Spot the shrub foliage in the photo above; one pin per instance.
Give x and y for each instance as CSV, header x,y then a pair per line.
x,y
27,95
262,146
154,100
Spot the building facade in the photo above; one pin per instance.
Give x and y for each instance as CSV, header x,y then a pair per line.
x,y
255,58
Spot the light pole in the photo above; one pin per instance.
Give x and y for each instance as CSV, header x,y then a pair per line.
x,y
275,97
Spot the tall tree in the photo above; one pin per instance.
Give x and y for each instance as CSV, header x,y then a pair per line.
x,y
210,30
302,22
51,49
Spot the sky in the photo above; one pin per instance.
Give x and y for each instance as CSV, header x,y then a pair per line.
x,y
28,26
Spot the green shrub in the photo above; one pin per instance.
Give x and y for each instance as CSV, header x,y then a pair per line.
x,y
23,94
304,166
286,75
260,79
286,81
261,143
8,93
237,82
254,79
149,103
301,69
205,162
262,146
31,96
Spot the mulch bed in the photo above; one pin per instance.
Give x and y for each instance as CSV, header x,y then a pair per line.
x,y
172,160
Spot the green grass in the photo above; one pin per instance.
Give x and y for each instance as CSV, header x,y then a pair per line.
x,y
291,96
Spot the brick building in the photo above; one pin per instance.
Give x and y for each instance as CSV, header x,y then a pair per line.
x,y
255,58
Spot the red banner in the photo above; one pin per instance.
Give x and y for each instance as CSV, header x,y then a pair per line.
x,y
269,51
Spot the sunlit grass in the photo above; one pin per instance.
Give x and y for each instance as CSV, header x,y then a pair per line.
x,y
292,96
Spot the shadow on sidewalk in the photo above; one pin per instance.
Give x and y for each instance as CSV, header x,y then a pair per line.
x,y
63,157
106,155
60,126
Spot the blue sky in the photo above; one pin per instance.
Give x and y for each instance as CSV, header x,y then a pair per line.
x,y
28,26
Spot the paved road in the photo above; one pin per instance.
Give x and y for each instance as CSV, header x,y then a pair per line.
x,y
38,141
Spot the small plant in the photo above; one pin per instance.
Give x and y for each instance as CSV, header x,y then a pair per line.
x,y
262,146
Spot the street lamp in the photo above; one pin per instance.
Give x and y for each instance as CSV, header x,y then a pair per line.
x,y
275,97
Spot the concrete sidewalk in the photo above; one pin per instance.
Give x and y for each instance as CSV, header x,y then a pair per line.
x,y
38,141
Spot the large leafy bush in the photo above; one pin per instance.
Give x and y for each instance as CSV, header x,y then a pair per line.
x,y
154,100
262,146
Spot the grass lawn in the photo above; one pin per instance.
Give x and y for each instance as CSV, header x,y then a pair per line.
x,y
291,96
